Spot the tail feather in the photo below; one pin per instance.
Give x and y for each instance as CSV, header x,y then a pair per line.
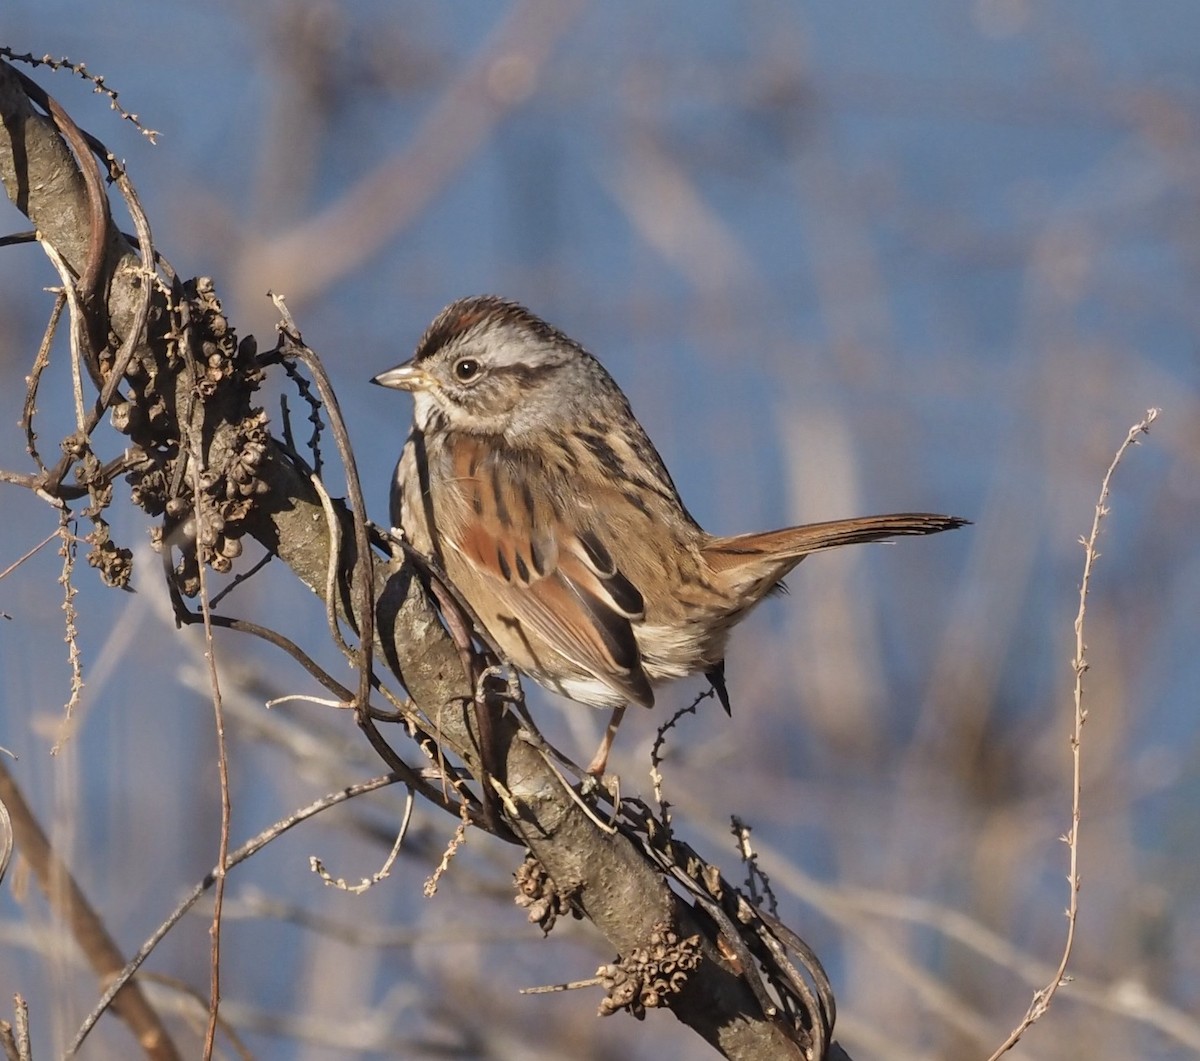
x,y
812,537
754,563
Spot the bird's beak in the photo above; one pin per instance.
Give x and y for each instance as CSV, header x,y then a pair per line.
x,y
406,377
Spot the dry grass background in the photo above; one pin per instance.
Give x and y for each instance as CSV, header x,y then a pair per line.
x,y
939,257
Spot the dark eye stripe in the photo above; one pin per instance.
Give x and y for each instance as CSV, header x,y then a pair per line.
x,y
525,375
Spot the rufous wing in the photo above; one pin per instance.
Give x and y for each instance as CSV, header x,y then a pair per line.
x,y
552,574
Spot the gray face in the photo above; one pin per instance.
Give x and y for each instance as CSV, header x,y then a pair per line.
x,y
487,366
498,378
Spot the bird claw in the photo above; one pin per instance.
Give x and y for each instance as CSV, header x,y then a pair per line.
x,y
609,784
505,672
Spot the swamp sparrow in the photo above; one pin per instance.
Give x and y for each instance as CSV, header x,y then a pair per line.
x,y
530,482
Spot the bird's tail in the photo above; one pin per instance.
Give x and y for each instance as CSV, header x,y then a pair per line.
x,y
746,560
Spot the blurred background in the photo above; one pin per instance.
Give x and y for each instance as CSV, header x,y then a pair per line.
x,y
845,259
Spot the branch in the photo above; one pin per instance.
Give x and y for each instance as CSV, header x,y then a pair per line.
x,y
69,903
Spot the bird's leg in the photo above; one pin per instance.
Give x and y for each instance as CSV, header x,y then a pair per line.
x,y
600,759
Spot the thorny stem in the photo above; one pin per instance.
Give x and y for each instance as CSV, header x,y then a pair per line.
x,y
1043,997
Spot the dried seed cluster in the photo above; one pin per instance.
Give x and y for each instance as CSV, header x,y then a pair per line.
x,y
648,975
114,563
204,357
221,356
537,892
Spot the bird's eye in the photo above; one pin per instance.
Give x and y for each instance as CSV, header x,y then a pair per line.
x,y
466,369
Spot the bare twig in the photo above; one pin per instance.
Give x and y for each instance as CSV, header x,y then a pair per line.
x,y
214,1002
656,752
78,331
71,905
32,552
35,377
247,850
362,578
240,577
67,550
15,1037
551,989
384,871
97,81
456,841
757,882
1043,997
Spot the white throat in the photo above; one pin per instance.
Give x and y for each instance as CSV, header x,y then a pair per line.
x,y
423,409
